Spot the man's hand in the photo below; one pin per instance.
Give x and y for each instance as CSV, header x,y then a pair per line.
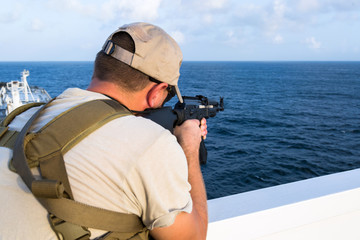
x,y
189,135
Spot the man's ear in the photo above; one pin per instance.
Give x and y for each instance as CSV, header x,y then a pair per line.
x,y
155,96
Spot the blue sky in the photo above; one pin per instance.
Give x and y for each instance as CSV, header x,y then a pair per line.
x,y
234,30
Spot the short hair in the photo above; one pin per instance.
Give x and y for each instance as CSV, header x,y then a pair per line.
x,y
107,68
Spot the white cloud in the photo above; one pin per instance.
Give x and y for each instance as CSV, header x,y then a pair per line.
x,y
105,11
215,4
87,46
278,39
276,18
77,6
261,19
308,5
234,38
230,33
249,13
12,14
342,5
229,24
313,43
178,36
134,10
37,25
208,18
279,8
203,5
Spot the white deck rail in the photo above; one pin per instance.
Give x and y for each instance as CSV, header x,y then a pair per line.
x,y
326,207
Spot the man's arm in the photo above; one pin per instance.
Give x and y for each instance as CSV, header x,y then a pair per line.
x,y
189,225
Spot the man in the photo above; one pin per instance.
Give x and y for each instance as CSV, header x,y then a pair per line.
x,y
131,164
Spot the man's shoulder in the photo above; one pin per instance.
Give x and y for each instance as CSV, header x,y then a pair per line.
x,y
136,127
71,97
140,123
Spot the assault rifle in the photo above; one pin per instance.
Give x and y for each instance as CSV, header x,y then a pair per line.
x,y
197,107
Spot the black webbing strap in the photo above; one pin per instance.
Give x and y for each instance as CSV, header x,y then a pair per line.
x,y
67,209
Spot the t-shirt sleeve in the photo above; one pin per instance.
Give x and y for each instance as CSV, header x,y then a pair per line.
x,y
161,182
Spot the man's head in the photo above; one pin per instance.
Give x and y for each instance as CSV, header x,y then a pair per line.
x,y
138,54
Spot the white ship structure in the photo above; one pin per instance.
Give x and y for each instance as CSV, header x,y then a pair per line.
x,y
14,94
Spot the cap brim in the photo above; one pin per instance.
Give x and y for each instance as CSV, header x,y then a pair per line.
x,y
178,94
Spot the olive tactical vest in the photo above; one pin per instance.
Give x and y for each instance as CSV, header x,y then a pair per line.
x,y
45,149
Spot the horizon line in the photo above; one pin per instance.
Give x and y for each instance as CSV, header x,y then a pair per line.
x,y
16,61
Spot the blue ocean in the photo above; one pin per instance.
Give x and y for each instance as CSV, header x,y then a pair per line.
x,y
283,121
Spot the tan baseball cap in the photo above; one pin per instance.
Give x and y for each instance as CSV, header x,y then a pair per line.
x,y
156,53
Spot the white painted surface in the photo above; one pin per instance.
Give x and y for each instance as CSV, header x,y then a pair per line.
x,y
320,208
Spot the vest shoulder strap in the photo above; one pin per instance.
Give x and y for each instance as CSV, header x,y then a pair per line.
x,y
46,149
8,137
70,127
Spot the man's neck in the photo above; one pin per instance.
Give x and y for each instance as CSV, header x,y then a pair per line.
x,y
134,101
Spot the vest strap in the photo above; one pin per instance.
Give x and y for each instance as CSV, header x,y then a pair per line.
x,y
67,209
47,188
8,137
65,230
